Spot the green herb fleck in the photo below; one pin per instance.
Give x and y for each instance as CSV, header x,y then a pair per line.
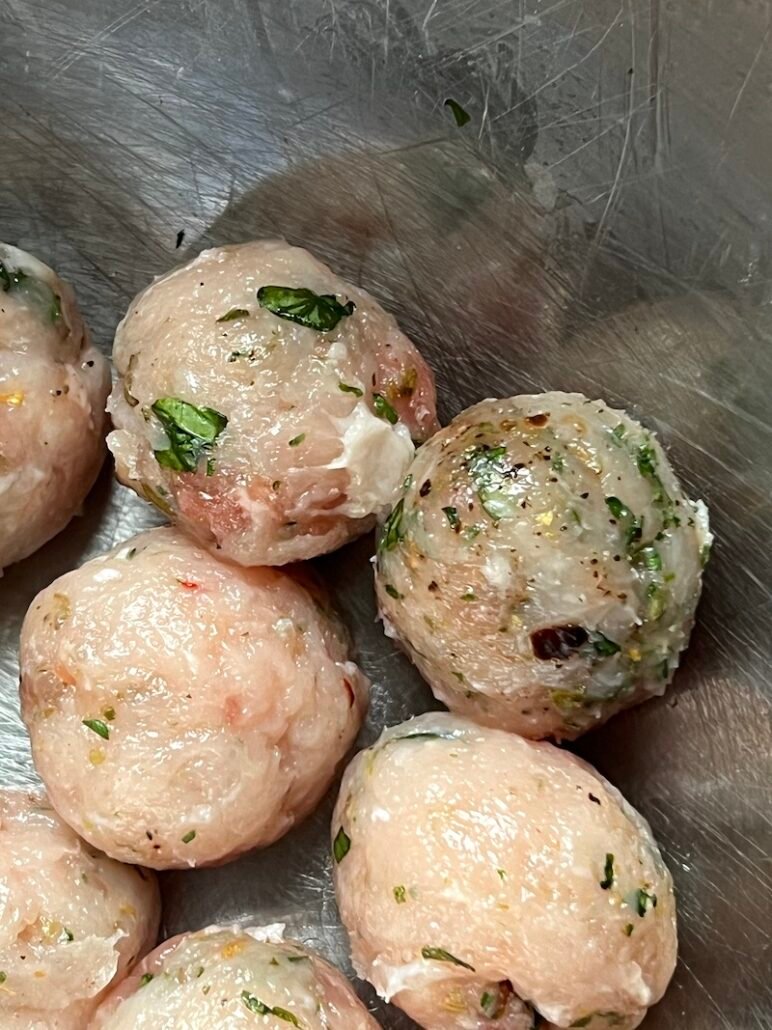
x,y
603,646
254,1004
558,463
633,527
191,431
618,434
651,558
400,895
451,514
392,532
628,929
459,114
69,934
440,955
145,979
657,601
502,874
296,441
36,291
189,836
492,479
704,554
109,714
608,873
384,410
312,310
233,314
341,845
345,388
393,592
298,958
644,901
3,976
285,1015
408,481
199,972
470,595
210,466
98,727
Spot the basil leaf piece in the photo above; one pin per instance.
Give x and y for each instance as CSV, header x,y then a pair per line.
x,y
312,310
254,1004
341,845
392,532
346,388
494,480
460,115
97,726
632,526
440,955
191,432
608,873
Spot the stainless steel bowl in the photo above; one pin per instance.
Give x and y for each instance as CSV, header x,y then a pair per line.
x,y
602,223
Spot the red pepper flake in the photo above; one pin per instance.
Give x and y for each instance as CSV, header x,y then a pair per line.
x,y
188,584
351,695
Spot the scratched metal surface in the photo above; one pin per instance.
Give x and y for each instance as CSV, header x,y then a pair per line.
x,y
601,224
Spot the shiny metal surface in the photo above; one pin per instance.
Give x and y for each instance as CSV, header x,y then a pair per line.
x,y
602,223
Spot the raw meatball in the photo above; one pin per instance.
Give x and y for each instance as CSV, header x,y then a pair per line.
x,y
272,429
182,709
481,875
53,386
225,977
73,921
543,565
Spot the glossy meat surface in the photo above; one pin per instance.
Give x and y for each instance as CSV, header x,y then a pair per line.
x,y
474,868
72,921
53,387
319,423
543,566
224,977
182,709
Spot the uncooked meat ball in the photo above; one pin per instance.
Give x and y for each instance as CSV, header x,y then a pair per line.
x,y
482,876
73,921
181,709
224,977
543,564
265,404
53,386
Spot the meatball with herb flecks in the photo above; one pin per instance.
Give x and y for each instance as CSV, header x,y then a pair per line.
x,y
182,709
543,564
53,386
264,404
482,876
225,977
73,921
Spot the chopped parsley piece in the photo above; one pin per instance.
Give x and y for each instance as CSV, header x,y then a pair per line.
x,y
392,532
646,460
298,958
651,558
191,432
189,836
608,873
285,1015
233,314
35,290
451,514
400,895
440,955
109,714
296,441
491,477
210,466
558,463
345,388
3,976
502,874
633,527
644,901
384,410
312,310
146,978
98,727
628,929
657,602
704,554
618,434
460,116
603,646
69,934
254,1004
341,845
393,592
199,972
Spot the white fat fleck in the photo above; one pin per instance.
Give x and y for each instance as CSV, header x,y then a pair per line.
x,y
273,933
381,815
338,354
702,524
638,987
376,456
106,575
390,980
284,626
498,571
26,477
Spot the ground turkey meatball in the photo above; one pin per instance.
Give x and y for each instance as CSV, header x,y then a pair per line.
x,y
53,386
543,564
224,977
72,921
182,709
265,404
482,876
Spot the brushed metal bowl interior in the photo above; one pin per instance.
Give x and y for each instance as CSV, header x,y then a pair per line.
x,y
602,224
